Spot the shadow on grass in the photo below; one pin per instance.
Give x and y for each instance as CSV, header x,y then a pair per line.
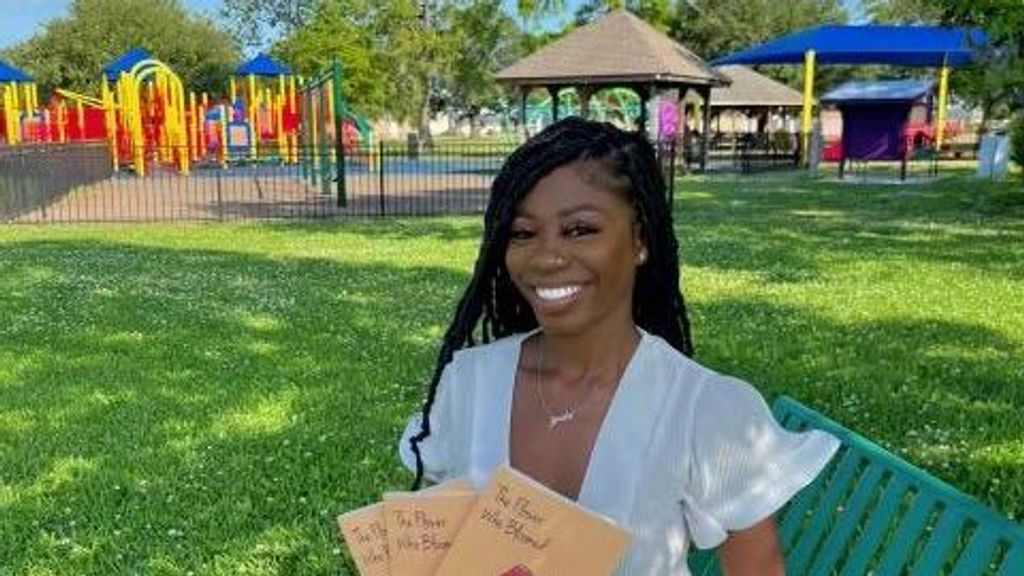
x,y
165,411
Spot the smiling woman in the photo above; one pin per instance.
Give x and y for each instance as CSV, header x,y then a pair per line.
x,y
583,378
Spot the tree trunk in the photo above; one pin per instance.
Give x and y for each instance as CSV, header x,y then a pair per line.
x,y
472,125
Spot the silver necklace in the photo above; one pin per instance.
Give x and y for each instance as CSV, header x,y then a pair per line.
x,y
567,414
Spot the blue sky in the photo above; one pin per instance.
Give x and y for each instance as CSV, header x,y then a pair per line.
x,y
22,18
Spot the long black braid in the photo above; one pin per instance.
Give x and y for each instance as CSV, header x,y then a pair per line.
x,y
492,307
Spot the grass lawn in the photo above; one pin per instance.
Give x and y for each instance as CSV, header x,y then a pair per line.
x,y
205,399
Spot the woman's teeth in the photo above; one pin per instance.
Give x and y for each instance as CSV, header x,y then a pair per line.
x,y
560,293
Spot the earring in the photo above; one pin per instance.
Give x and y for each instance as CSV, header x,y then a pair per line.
x,y
641,256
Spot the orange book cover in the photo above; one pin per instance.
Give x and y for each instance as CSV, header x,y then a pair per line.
x,y
421,526
365,533
518,527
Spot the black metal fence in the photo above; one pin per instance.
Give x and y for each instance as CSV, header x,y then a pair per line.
x,y
75,183
35,177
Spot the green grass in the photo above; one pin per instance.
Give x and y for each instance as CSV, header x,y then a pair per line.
x,y
207,398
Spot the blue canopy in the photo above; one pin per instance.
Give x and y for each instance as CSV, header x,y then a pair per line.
x,y
926,46
880,91
263,65
125,63
9,73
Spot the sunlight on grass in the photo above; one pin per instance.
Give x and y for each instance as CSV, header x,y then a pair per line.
x,y
180,398
267,415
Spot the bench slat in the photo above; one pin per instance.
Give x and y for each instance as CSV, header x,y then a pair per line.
x,y
838,539
880,519
978,553
943,538
1013,563
800,557
908,533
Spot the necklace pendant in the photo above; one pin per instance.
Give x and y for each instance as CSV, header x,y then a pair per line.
x,y
557,419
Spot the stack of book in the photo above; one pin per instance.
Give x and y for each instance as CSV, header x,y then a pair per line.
x,y
514,527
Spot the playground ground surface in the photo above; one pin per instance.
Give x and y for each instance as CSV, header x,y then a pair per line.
x,y
204,398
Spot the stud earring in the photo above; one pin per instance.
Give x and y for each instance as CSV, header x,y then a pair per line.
x,y
641,257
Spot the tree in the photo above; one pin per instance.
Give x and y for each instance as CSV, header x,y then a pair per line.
x,y
1000,74
485,40
256,22
71,51
661,14
336,30
904,11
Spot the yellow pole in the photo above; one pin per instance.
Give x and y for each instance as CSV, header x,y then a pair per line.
x,y
808,111
109,120
62,120
224,136
253,132
234,91
940,128
8,113
80,118
35,96
193,129
282,140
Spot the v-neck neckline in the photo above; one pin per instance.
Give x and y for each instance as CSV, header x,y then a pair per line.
x,y
618,398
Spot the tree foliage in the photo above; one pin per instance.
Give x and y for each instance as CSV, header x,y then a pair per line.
x,y
70,52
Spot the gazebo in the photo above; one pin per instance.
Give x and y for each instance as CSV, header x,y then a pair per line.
x,y
619,50
752,95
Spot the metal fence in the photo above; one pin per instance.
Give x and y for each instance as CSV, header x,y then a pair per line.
x,y
76,184
33,178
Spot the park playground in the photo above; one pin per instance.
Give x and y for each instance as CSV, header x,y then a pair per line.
x,y
220,310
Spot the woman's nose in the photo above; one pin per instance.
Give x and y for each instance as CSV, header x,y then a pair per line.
x,y
550,254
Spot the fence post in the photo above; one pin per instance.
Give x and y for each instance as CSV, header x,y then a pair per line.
x,y
380,178
339,133
220,204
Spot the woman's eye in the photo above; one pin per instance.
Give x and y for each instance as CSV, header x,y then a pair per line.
x,y
520,234
577,230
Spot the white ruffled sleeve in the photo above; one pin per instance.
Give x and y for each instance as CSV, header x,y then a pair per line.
x,y
435,450
745,465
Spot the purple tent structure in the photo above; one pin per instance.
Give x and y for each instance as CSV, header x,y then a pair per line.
x,y
875,118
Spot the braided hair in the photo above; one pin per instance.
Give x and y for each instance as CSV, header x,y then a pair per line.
x,y
491,307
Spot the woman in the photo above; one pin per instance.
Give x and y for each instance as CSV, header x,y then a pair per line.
x,y
583,378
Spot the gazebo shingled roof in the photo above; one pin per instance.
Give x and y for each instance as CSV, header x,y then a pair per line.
x,y
751,89
616,49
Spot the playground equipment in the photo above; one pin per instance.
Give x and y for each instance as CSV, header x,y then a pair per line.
x,y
266,109
19,102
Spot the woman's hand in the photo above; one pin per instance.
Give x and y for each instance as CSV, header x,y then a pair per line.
x,y
754,551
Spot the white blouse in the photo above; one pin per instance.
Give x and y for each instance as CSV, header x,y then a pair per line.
x,y
683,455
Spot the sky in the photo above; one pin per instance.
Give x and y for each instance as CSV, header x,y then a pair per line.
x,y
22,18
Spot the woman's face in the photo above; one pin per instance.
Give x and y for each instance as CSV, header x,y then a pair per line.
x,y
573,251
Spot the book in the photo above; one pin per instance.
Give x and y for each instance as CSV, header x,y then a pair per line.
x,y
365,533
519,527
421,527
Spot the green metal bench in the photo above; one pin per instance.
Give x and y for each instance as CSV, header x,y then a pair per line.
x,y
870,512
